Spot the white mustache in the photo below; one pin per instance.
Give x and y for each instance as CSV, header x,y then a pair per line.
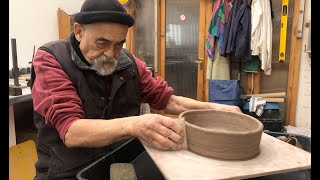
x,y
104,59
104,65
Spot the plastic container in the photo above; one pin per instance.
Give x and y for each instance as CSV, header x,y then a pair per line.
x,y
271,116
273,124
130,152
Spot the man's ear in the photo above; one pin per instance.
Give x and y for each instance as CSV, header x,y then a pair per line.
x,y
78,31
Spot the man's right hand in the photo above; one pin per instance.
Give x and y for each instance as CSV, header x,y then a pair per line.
x,y
163,132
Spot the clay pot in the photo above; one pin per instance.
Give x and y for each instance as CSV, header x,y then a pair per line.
x,y
222,135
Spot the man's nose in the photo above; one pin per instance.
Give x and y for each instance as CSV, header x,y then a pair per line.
x,y
109,52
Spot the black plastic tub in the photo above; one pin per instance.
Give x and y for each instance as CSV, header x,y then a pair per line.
x,y
130,152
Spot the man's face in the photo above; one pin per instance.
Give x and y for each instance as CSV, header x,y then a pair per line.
x,y
100,44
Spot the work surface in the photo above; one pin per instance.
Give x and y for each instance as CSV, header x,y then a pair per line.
x,y
275,157
26,91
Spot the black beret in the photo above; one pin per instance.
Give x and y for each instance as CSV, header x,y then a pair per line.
x,y
103,11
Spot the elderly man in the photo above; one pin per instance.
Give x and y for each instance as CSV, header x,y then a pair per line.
x,y
87,92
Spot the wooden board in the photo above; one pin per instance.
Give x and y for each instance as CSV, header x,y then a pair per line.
x,y
208,8
294,68
276,157
22,158
162,54
253,83
201,50
64,22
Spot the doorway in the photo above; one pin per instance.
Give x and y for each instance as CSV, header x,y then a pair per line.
x,y
169,36
182,32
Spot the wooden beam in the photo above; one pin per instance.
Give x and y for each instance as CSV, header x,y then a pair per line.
x,y
162,47
157,44
162,53
130,39
294,68
278,100
64,23
208,9
268,95
253,83
201,50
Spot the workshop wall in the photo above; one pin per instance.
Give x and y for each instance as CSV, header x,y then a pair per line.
x,y
303,110
33,23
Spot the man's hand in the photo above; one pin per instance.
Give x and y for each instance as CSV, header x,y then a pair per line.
x,y
179,104
163,132
225,107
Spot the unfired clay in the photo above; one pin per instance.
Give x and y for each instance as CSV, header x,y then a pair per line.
x,y
222,135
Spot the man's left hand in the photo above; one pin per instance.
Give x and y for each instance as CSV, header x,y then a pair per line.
x,y
229,108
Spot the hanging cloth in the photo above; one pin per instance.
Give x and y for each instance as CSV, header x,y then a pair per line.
x,y
261,33
219,68
238,31
219,19
252,66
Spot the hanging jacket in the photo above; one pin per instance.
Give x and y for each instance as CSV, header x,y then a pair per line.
x,y
238,31
261,33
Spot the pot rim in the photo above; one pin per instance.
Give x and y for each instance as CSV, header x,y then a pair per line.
x,y
259,129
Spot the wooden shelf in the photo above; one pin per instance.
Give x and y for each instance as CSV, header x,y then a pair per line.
x,y
65,24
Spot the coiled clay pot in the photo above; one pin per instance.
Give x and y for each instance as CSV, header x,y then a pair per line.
x,y
222,135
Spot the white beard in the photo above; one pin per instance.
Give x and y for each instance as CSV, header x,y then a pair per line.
x,y
104,66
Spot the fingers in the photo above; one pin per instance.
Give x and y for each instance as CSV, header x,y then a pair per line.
x,y
172,124
162,132
230,108
168,132
235,109
162,142
238,109
163,138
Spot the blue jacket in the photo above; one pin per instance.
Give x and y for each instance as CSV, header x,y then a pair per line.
x,y
238,31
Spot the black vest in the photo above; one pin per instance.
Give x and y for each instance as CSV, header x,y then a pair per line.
x,y
55,160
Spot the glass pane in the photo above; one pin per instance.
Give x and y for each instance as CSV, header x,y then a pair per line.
x,y
182,27
144,31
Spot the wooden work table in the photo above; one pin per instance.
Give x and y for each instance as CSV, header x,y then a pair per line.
x,y
275,157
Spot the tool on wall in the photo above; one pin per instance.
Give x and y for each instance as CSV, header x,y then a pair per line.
x,y
30,62
124,2
15,69
307,47
14,89
300,20
283,31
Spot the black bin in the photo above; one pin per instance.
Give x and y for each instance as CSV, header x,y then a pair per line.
x,y
272,117
130,152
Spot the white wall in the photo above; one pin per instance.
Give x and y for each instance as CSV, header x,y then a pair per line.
x,y
35,22
303,109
